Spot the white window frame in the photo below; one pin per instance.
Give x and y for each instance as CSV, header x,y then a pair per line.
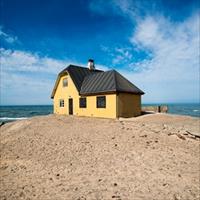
x,y
65,84
61,103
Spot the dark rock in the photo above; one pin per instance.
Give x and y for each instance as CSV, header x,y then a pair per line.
x,y
2,123
116,196
195,135
143,136
21,194
180,136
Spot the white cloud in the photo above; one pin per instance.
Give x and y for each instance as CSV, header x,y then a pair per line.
x,y
119,54
170,71
22,61
130,9
172,74
122,55
21,89
27,78
7,37
169,74
175,47
115,7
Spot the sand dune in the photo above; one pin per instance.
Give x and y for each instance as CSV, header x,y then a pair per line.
x,y
58,157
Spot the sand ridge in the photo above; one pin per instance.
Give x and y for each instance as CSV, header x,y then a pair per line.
x,y
62,157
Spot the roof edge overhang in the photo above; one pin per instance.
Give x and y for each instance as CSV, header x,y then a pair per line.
x,y
109,92
97,93
57,81
136,93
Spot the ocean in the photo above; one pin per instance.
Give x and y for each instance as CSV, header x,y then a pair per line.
x,y
190,109
12,113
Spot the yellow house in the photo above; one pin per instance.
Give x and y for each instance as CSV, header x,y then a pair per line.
x,y
90,92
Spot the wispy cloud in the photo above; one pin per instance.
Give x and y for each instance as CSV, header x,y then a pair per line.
x,y
173,69
122,55
8,37
134,10
170,71
175,47
27,78
22,61
159,55
119,54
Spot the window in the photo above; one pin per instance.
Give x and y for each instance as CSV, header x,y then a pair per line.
x,y
65,82
82,102
101,102
62,103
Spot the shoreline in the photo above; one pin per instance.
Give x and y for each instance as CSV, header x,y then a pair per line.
x,y
144,114
190,109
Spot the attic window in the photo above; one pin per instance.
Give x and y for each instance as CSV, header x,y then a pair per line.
x,y
82,102
65,82
101,102
62,103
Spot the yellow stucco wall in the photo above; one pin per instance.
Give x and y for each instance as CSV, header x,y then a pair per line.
x,y
71,92
128,105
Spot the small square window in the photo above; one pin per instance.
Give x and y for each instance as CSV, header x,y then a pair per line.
x,y
65,82
101,102
62,103
82,102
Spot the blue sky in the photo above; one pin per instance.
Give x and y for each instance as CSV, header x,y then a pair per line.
x,y
154,43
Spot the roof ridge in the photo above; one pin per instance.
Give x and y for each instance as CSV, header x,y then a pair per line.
x,y
79,66
94,73
71,65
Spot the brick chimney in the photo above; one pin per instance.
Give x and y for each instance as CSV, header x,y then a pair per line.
x,y
91,64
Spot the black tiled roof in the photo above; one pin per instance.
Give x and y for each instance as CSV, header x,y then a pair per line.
x,y
110,81
79,73
90,82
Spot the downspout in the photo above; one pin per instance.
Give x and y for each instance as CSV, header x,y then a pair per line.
x,y
117,107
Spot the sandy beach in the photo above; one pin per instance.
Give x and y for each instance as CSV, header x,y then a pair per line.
x,y
155,156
